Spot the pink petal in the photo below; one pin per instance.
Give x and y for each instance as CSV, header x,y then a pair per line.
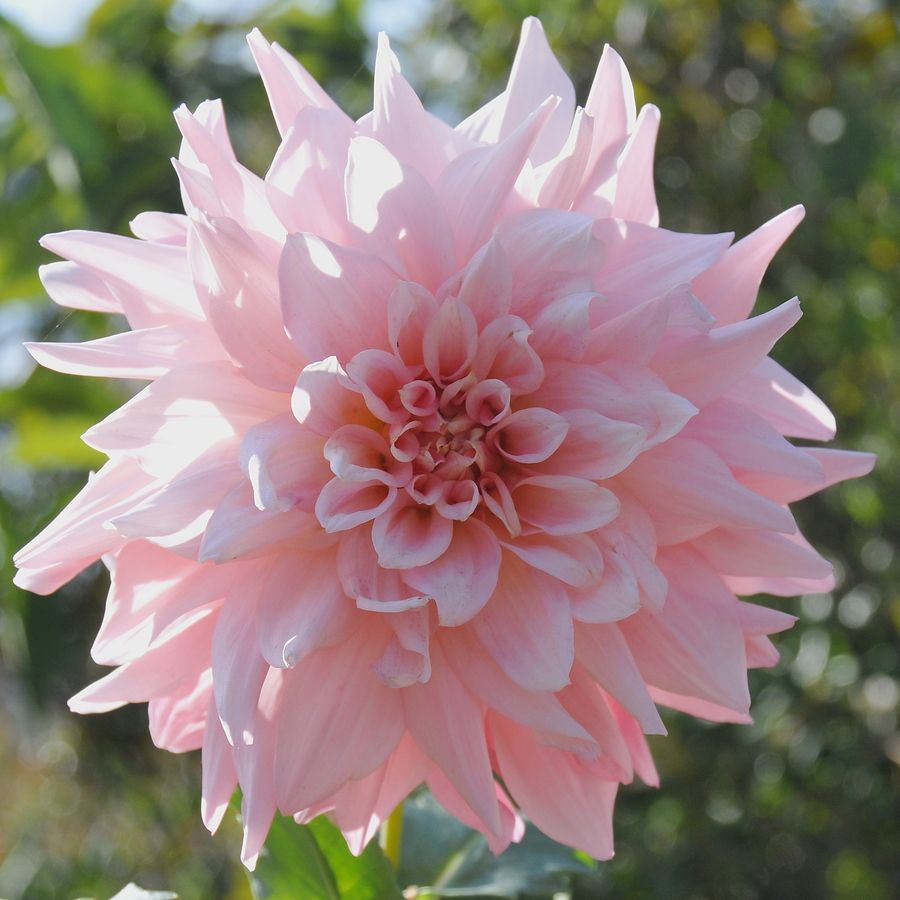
x,y
239,291
688,490
632,335
475,187
596,447
410,309
548,251
302,608
237,528
561,504
560,178
760,620
289,86
236,191
505,355
561,329
398,208
574,558
334,299
536,75
641,758
153,278
144,353
419,398
362,805
512,828
554,790
357,453
458,500
784,402
586,703
488,402
635,198
324,398
699,708
406,536
397,115
603,652
625,393
345,709
615,597
183,416
255,770
611,107
285,464
80,534
839,465
695,645
345,504
238,668
538,710
175,657
380,376
704,366
219,775
175,515
498,499
529,435
310,163
748,552
75,286
447,724
407,659
527,627
485,285
161,227
463,578
641,262
728,288
178,720
151,588
375,589
450,341
747,442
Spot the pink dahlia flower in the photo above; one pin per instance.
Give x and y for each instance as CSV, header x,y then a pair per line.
x,y
451,463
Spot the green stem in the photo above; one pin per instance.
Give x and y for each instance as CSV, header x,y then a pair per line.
x,y
392,835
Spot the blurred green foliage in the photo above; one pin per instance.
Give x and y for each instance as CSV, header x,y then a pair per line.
x,y
765,104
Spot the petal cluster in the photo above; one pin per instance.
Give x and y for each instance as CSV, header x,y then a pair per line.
x,y
451,466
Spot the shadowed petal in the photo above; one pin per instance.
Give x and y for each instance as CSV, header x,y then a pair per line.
x,y
462,580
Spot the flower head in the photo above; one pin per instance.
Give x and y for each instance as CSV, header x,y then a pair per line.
x,y
451,465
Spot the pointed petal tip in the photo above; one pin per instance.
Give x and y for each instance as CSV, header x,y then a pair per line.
x,y
24,579
82,704
47,240
532,23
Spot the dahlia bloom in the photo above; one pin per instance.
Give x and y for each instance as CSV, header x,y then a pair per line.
x,y
451,464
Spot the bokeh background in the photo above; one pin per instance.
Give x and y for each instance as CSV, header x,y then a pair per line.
x,y
765,104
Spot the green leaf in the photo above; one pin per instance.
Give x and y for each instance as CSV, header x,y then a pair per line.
x,y
291,865
448,860
50,440
369,876
313,862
